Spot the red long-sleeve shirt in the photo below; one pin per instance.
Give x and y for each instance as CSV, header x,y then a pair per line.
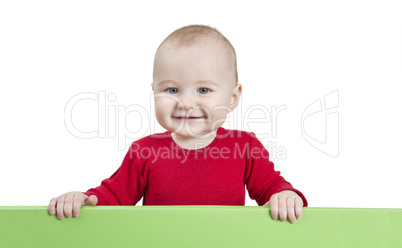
x,y
162,172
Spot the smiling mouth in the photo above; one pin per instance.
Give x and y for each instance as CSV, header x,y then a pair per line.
x,y
188,118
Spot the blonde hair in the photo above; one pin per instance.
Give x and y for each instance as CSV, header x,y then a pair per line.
x,y
192,34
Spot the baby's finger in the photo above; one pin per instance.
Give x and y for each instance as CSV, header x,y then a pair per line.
x,y
91,200
290,202
52,206
282,208
273,203
68,205
77,203
299,207
60,206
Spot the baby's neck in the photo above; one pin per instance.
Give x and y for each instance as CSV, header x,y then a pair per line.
x,y
192,143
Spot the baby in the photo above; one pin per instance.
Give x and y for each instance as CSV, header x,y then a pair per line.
x,y
196,161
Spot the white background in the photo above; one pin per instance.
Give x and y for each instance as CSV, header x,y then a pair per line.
x,y
290,53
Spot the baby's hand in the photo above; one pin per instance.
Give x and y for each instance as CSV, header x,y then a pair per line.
x,y
70,203
288,204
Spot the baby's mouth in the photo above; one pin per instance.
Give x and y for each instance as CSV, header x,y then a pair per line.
x,y
188,117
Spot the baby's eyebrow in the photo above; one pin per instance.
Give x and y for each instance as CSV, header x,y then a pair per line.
x,y
165,82
198,82
207,82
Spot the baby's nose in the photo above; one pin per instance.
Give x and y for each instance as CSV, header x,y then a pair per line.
x,y
187,102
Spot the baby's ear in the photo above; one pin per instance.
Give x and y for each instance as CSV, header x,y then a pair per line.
x,y
235,98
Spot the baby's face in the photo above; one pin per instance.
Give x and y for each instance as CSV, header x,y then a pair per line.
x,y
194,88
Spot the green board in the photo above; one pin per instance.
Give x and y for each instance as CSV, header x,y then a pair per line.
x,y
199,226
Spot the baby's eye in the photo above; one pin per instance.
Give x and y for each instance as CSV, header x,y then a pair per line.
x,y
172,90
203,90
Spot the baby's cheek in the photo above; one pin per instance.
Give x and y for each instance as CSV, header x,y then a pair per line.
x,y
220,111
161,110
165,99
218,117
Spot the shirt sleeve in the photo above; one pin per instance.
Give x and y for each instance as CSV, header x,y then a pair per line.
x,y
126,186
261,179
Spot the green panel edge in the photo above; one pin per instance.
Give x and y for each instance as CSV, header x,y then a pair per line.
x,y
199,226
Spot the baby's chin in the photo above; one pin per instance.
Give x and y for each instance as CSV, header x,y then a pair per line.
x,y
189,134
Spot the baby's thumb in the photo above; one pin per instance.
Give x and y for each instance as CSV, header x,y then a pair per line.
x,y
91,200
